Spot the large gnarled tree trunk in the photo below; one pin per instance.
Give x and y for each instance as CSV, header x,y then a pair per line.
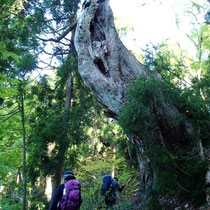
x,y
108,68
105,64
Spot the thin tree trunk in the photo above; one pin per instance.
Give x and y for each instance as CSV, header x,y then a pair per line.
x,y
58,172
66,114
68,93
57,179
24,151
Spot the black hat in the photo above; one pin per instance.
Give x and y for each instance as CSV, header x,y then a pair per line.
x,y
116,179
67,174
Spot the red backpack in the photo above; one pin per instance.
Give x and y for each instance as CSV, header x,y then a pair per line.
x,y
71,199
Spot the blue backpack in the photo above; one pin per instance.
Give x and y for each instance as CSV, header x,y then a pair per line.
x,y
107,181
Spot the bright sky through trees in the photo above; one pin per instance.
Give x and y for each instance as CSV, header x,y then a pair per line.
x,y
154,21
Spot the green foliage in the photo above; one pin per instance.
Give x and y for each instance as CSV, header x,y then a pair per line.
x,y
27,63
7,86
181,172
91,173
6,54
10,7
138,116
195,182
46,131
152,201
164,169
168,61
54,127
113,134
10,156
9,204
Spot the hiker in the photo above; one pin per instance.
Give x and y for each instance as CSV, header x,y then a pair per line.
x,y
68,194
109,188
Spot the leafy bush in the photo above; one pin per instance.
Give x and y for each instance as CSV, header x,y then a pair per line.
x,y
178,171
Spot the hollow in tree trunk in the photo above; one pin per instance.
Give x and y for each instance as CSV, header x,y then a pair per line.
x,y
109,68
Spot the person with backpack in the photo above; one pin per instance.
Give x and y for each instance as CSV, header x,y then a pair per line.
x,y
109,188
68,194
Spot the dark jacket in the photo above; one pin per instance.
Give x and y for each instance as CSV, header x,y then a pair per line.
x,y
57,197
58,194
116,186
110,197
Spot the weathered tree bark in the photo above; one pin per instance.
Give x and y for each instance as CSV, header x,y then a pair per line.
x,y
108,68
104,63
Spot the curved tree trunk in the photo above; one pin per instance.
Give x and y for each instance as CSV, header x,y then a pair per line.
x,y
108,68
104,63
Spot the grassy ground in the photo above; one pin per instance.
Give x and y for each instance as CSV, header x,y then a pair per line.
x,y
91,175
